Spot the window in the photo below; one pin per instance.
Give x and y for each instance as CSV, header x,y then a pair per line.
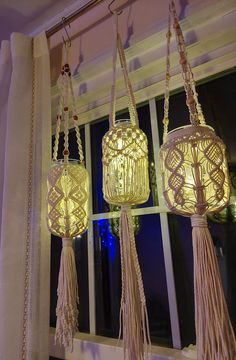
x,y
163,240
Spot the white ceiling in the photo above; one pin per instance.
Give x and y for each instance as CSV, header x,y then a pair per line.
x,y
25,15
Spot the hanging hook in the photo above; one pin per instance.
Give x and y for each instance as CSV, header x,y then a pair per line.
x,y
67,42
113,12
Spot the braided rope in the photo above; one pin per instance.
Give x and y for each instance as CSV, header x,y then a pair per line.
x,y
131,100
60,83
112,115
67,101
66,116
75,120
130,94
195,109
167,82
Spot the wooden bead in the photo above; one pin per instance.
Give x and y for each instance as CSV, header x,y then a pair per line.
x,y
190,100
183,60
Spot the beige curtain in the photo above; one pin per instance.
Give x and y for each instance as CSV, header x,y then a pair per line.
x,y
25,123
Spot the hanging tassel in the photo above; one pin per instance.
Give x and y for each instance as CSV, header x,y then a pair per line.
x,y
214,332
133,311
67,297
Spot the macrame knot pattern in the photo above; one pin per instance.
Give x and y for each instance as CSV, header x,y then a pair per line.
x,y
198,221
67,242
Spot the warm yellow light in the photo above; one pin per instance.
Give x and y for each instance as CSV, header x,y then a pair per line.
x,y
125,165
194,171
68,187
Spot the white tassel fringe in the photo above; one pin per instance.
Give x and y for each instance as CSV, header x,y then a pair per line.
x,y
214,332
133,311
67,301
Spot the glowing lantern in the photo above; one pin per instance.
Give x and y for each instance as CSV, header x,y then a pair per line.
x,y
67,211
125,165
194,171
196,182
68,188
126,183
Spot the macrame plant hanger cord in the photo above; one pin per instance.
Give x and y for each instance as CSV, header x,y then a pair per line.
x,y
68,188
214,333
133,312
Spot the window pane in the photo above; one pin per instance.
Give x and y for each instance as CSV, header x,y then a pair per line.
x,y
223,236
81,258
98,130
108,280
182,256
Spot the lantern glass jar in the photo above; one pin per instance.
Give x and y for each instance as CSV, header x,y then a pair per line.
x,y
125,164
194,171
67,199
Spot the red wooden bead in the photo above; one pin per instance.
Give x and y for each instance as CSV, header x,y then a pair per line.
x,y
75,117
183,60
66,108
190,101
66,152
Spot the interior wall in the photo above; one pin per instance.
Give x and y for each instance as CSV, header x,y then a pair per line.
x,y
210,32
92,33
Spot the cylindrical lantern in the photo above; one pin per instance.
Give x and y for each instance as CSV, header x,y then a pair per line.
x,y
126,183
67,210
194,171
68,189
125,165
196,182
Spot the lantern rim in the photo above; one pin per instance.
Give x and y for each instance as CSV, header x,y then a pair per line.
x,y
119,122
69,161
188,130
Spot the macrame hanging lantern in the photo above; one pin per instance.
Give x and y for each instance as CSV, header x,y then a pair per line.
x,y
195,183
67,210
126,183
228,214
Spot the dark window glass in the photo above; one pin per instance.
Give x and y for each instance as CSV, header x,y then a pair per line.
x,y
81,258
224,236
98,130
182,256
108,280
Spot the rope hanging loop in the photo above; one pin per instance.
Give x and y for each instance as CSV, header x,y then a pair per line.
x,y
195,182
126,183
67,207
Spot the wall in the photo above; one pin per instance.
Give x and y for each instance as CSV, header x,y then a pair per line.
x,y
209,27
